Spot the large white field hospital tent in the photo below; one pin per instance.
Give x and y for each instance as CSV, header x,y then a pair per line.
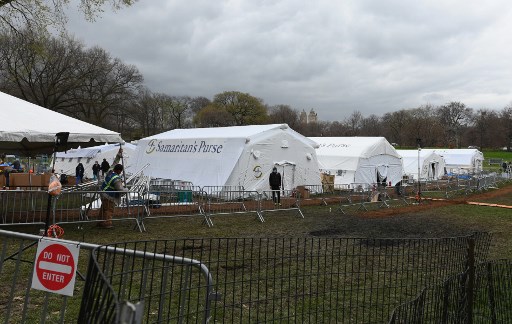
x,y
461,160
431,165
66,162
28,129
230,156
359,160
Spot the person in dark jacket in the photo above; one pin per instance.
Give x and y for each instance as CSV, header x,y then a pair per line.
x,y
274,181
96,170
79,173
111,190
105,166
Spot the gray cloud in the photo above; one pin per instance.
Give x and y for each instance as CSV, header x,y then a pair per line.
x,y
371,56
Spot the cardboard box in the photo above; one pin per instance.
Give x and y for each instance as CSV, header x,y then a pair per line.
x,y
19,180
2,180
35,180
45,179
303,192
327,178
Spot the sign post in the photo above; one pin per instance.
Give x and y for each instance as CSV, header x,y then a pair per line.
x,y
55,267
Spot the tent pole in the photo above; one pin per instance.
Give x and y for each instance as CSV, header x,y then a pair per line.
x,y
49,203
122,162
60,139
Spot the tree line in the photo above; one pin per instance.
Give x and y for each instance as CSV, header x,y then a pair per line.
x,y
62,74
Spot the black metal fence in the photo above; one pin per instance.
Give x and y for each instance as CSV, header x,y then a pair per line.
x,y
307,280
481,294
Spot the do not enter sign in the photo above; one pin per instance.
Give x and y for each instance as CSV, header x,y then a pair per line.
x,y
55,267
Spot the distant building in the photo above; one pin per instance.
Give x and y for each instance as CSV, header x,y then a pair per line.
x,y
310,118
303,118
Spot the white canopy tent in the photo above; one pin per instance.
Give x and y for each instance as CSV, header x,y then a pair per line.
x,y
461,160
431,165
28,129
66,162
359,160
230,156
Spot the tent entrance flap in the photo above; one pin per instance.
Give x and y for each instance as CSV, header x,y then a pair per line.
x,y
287,169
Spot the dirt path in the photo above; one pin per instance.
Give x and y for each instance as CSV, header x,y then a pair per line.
x,y
430,204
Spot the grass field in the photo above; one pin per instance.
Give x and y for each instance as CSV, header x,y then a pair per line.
x,y
433,219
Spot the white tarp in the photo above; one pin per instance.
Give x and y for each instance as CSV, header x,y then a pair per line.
x,y
431,165
359,160
230,156
66,162
461,160
30,129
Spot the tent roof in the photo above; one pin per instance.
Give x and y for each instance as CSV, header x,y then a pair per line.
x,y
92,151
410,157
458,156
30,129
360,147
424,154
247,133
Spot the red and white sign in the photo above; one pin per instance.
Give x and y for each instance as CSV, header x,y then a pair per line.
x,y
55,267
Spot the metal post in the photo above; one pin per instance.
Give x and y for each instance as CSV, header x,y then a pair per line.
x,y
60,139
418,142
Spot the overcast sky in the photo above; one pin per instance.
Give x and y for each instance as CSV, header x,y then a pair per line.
x,y
333,56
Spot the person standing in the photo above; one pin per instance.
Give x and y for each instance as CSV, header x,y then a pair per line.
x,y
111,190
96,170
79,173
105,166
274,181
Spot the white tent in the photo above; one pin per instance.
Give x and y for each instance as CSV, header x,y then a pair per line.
x,y
431,165
66,162
359,160
29,129
230,156
461,160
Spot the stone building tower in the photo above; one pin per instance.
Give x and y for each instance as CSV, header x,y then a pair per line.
x,y
312,117
303,118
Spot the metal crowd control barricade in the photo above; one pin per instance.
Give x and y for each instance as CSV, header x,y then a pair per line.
x,y
224,200
344,194
235,195
18,207
360,195
135,283
124,283
289,200
178,199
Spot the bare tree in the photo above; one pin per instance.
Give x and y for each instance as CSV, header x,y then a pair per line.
x,y
423,124
506,125
483,130
38,15
284,114
454,117
57,73
336,129
354,123
41,69
396,123
179,109
105,86
371,126
198,103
